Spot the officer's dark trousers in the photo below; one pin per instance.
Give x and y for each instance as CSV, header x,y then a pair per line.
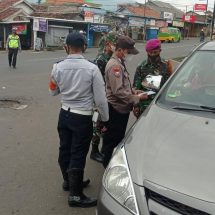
x,y
12,55
75,133
116,128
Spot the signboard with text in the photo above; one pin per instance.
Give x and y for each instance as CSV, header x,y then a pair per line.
x,y
40,25
43,27
189,18
88,16
168,16
200,7
21,29
99,28
178,24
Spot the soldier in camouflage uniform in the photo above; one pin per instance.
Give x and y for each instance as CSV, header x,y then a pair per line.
x,y
101,62
102,43
153,65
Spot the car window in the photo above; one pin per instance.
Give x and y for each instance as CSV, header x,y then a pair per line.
x,y
163,30
173,31
194,83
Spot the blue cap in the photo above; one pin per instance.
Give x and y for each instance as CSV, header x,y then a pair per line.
x,y
75,38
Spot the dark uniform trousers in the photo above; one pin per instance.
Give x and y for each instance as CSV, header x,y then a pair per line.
x,y
75,133
12,55
116,128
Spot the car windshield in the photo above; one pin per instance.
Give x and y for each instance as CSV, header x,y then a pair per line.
x,y
163,30
194,83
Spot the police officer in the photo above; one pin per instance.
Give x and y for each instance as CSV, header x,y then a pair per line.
x,y
80,84
101,61
13,45
153,65
121,97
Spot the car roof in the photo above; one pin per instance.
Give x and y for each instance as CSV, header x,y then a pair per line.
x,y
208,46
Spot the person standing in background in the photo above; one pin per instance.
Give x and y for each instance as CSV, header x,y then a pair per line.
x,y
13,46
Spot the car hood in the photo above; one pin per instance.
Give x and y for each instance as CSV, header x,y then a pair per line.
x,y
175,150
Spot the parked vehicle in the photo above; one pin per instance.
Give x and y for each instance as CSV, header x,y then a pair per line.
x,y
165,164
169,34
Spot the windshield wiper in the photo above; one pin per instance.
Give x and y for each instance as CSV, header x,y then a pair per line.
x,y
198,108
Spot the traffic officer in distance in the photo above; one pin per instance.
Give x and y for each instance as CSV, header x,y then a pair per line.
x,y
101,62
80,84
152,67
12,46
121,97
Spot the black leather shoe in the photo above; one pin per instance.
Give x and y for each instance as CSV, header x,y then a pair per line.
x,y
81,201
65,184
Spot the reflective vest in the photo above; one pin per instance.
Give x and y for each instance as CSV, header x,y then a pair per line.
x,y
13,41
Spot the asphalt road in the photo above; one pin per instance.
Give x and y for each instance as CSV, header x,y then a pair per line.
x,y
30,181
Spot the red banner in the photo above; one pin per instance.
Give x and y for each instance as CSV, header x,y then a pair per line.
x,y
20,28
200,7
189,18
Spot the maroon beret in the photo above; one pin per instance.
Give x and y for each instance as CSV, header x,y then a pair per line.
x,y
153,44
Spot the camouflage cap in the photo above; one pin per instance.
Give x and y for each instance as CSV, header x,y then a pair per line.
x,y
112,37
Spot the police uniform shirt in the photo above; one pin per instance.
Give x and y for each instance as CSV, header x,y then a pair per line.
x,y
80,84
118,86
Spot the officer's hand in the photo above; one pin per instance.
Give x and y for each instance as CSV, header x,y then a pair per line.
x,y
143,96
136,111
136,92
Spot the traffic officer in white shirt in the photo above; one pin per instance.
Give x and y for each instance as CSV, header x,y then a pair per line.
x,y
80,84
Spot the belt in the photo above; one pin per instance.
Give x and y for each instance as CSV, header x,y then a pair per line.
x,y
81,112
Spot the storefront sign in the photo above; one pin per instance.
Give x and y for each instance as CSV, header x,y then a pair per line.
x,y
88,16
152,22
160,23
40,25
200,7
178,24
43,27
20,29
36,25
136,22
189,18
168,16
99,28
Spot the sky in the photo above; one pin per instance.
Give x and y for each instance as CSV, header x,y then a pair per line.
x,y
181,4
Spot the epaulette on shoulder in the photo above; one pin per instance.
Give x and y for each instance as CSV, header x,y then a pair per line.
x,y
59,61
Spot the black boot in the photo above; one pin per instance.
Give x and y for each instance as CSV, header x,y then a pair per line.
x,y
95,154
65,184
76,197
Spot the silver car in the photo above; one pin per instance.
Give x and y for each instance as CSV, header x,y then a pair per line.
x,y
166,163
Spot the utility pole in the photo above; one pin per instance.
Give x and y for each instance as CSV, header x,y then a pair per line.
x,y
206,13
144,21
212,28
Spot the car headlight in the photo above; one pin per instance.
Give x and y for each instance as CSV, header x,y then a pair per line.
x,y
117,181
